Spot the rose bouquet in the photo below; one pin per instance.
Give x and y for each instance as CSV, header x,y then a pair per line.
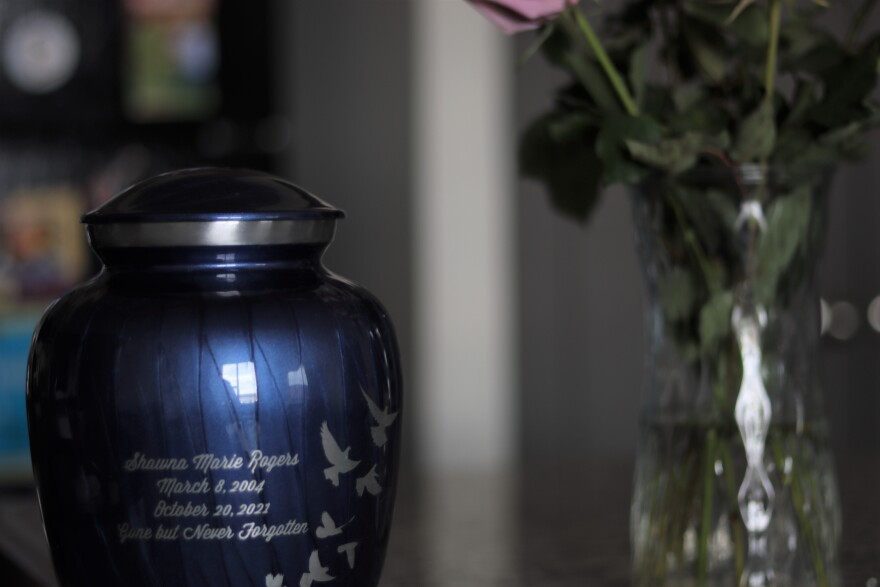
x,y
726,117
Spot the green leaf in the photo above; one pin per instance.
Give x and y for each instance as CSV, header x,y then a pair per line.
x,y
631,18
709,222
675,290
715,320
718,142
573,96
714,14
696,112
725,209
560,50
840,136
619,166
846,89
638,73
740,7
819,61
801,154
750,92
707,117
657,101
590,75
687,97
756,135
552,152
707,50
804,99
788,220
750,25
673,155
570,126
715,276
801,37
850,141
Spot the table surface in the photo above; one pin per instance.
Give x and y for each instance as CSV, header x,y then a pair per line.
x,y
543,527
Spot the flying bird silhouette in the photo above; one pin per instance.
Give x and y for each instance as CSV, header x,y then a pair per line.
x,y
383,420
316,572
370,482
328,527
348,549
275,580
337,457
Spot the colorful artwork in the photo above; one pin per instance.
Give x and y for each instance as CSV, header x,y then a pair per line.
x,y
42,254
42,249
172,61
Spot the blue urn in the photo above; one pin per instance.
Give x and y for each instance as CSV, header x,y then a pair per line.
x,y
215,408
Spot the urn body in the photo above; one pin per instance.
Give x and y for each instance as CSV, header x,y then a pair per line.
x,y
217,411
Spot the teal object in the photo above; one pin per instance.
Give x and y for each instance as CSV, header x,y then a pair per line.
x,y
15,340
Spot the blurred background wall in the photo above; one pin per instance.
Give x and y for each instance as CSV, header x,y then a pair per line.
x,y
346,82
521,331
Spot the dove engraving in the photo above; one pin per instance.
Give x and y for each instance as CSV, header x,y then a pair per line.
x,y
369,482
328,527
337,457
275,580
317,573
348,549
383,420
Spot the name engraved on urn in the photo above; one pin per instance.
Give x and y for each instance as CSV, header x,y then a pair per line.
x,y
203,505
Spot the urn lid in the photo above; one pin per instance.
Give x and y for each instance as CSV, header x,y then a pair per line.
x,y
212,207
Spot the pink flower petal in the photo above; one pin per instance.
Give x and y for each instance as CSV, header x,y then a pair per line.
x,y
515,16
510,23
535,9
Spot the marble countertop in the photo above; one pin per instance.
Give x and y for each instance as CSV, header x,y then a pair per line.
x,y
546,527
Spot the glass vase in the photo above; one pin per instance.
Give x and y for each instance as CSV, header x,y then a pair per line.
x,y
734,482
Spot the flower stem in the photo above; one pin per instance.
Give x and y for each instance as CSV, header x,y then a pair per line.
x,y
772,48
770,76
708,507
739,550
690,240
801,511
607,66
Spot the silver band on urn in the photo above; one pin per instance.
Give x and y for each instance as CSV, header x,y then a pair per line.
x,y
216,233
